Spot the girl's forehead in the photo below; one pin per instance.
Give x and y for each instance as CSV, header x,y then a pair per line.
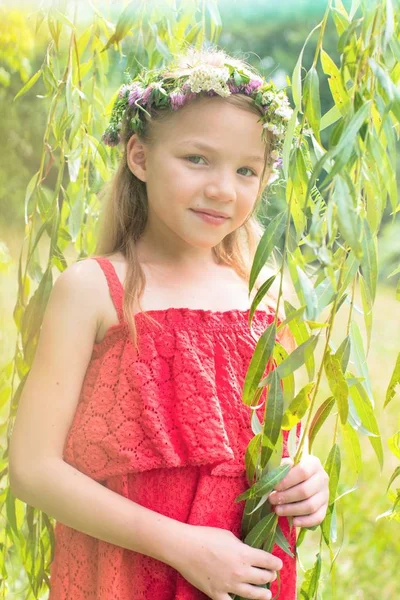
x,y
214,121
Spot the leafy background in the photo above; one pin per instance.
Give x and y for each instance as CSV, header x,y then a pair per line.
x,y
271,36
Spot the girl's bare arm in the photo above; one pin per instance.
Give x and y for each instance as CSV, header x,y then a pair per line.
x,y
38,474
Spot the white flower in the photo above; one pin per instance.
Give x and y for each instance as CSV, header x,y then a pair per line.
x,y
206,78
285,112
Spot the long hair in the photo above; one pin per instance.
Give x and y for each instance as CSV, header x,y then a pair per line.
x,y
126,205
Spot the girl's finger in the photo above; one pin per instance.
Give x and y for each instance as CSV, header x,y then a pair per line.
x,y
302,471
310,520
299,492
306,507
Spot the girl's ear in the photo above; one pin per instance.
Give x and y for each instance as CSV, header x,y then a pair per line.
x,y
136,157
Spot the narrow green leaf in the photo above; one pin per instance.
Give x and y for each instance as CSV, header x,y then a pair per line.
x,y
279,355
312,102
358,357
257,535
273,417
270,537
295,360
266,483
338,91
391,94
269,240
369,261
349,221
332,467
343,353
29,84
367,309
352,447
282,542
260,295
258,362
298,407
319,419
251,456
337,384
394,382
309,586
365,410
394,476
300,333
309,295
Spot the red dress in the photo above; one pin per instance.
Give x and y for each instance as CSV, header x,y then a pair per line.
x,y
167,428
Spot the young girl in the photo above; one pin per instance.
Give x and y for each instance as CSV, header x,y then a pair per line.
x,y
131,431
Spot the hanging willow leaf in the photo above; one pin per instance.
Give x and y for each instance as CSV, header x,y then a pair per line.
x,y
259,533
394,382
343,353
260,295
309,295
269,240
349,221
358,357
352,447
294,361
312,101
338,91
300,333
369,261
365,411
309,586
273,417
319,418
337,384
298,407
282,542
332,467
266,483
258,362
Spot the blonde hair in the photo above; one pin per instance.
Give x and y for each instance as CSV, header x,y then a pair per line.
x,y
126,207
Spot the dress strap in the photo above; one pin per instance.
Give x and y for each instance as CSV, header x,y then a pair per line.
x,y
114,285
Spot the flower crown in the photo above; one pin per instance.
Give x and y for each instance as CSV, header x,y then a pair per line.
x,y
161,88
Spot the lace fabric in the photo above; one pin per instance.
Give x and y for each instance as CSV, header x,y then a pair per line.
x,y
165,427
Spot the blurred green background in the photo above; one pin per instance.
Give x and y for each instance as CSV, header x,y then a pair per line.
x,y
269,35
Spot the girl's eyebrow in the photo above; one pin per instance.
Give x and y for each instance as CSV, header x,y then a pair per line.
x,y
207,148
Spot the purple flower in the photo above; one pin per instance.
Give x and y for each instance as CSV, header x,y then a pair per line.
x,y
146,94
134,94
123,90
177,100
234,89
253,84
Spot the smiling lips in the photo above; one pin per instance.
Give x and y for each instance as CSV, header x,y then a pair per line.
x,y
212,213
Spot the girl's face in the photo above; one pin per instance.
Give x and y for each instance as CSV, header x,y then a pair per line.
x,y
208,155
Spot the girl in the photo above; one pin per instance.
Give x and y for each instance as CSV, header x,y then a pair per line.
x,y
131,430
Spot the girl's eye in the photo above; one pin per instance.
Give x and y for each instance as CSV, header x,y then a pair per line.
x,y
247,169
194,156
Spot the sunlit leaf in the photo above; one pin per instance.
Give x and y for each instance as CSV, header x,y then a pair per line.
x,y
319,418
262,354
312,101
273,416
337,384
269,240
394,382
298,407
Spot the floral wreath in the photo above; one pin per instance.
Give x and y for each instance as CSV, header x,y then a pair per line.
x,y
161,88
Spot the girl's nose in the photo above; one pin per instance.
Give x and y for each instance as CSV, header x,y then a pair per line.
x,y
222,188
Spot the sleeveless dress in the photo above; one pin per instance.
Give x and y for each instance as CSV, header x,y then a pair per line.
x,y
167,428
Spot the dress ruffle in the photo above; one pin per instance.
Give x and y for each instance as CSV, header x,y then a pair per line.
x,y
176,402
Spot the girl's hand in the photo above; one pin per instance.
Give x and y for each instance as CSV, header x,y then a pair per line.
x,y
303,493
217,563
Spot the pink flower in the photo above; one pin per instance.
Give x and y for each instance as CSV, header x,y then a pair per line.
x,y
134,94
